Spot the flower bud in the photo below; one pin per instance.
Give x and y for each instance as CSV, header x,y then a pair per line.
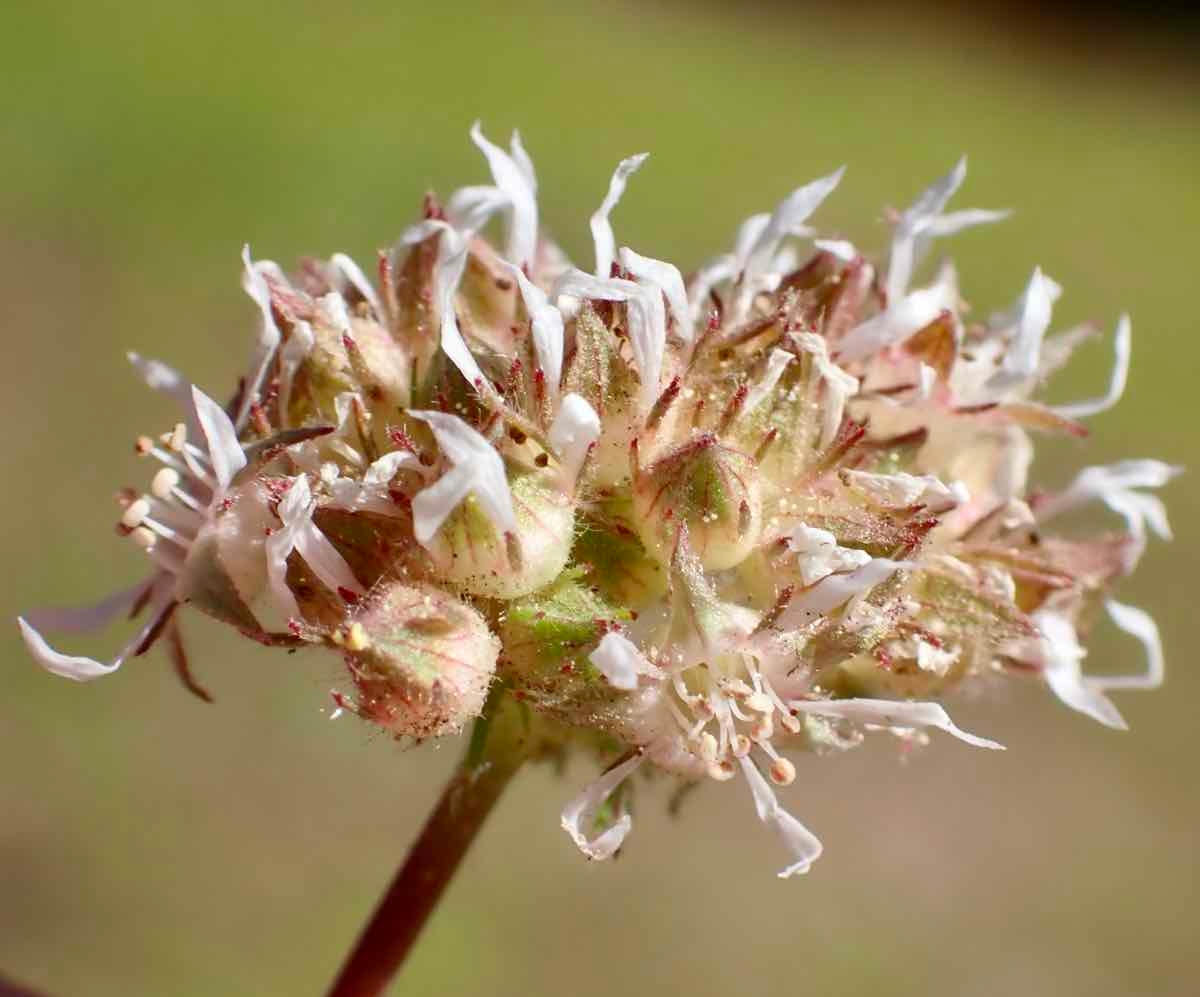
x,y
711,489
421,659
470,551
349,353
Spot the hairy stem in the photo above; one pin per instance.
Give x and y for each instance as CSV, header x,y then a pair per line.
x,y
499,745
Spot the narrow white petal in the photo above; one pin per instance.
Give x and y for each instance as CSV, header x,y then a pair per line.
x,y
470,208
323,559
277,548
477,469
839,248
715,272
785,220
86,619
891,713
513,181
1061,657
224,450
293,354
582,809
1021,359
839,386
523,160
350,273
574,430
83,669
1122,348
903,317
1137,623
804,846
546,324
835,590
602,230
776,364
901,490
667,279
267,339
647,321
819,555
958,221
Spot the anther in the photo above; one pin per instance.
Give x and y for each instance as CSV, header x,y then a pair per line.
x,y
163,482
782,772
134,513
144,537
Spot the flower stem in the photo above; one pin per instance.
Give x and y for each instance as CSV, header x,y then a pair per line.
x,y
499,744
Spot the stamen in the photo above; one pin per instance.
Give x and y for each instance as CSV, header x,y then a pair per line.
x,y
134,513
164,482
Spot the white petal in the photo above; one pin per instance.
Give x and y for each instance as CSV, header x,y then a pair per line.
x,y
477,469
957,221
830,593
647,321
803,845
267,339
469,208
546,323
83,669
324,560
381,472
1137,623
602,231
350,273
1122,347
901,490
891,713
224,450
787,217
293,354
904,251
513,181
715,272
575,429
839,386
1020,362
581,810
86,619
903,317
621,662
667,279
448,271
819,555
523,160
776,364
1061,659
839,248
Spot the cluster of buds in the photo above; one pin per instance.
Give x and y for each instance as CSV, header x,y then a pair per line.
x,y
701,524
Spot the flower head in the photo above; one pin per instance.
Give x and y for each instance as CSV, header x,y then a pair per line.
x,y
702,524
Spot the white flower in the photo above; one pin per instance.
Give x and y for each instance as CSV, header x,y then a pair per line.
x,y
475,469
515,193
348,274
1122,348
836,590
891,714
903,317
164,522
665,278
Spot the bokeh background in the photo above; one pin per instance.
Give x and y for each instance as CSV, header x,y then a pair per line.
x,y
150,844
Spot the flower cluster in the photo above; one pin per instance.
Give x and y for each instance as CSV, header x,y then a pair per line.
x,y
698,523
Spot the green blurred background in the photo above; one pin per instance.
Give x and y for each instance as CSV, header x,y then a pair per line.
x,y
150,844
